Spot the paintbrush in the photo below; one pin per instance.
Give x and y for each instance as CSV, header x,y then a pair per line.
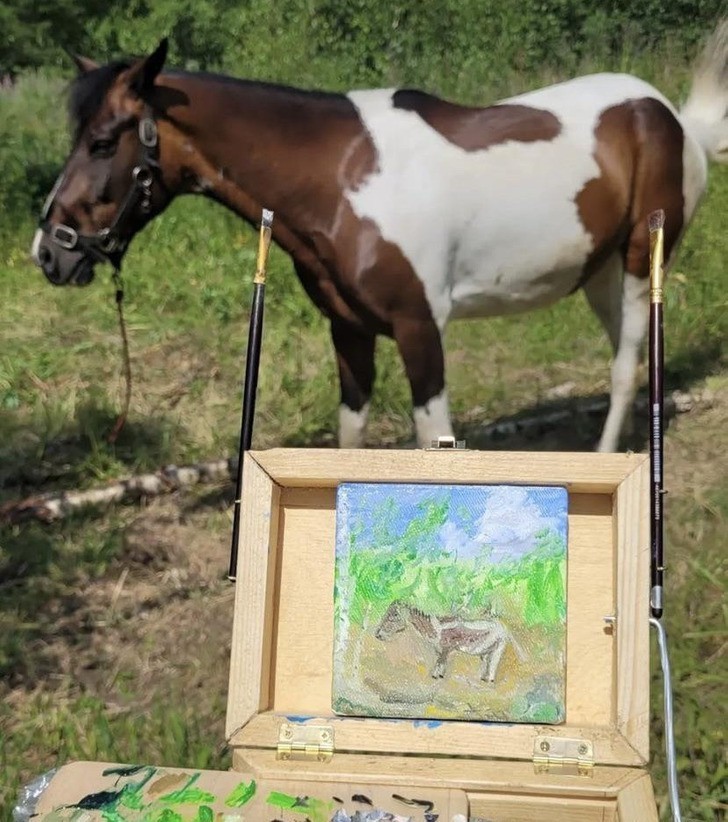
x,y
656,368
252,363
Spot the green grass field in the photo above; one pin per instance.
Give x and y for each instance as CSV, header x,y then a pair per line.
x,y
188,280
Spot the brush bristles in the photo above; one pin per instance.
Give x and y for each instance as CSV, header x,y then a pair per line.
x,y
657,220
267,218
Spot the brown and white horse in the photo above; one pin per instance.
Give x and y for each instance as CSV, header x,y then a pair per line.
x,y
402,211
484,638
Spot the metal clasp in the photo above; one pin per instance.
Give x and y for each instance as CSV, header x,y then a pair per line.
x,y
64,236
296,742
148,134
445,443
570,757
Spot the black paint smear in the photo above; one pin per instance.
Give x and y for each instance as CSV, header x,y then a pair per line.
x,y
336,799
359,797
124,770
300,800
421,803
98,801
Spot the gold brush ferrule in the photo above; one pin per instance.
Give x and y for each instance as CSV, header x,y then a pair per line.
x,y
657,253
263,247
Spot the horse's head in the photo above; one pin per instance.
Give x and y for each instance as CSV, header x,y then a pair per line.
x,y
393,621
111,184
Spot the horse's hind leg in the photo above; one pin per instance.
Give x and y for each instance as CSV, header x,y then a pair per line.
x,y
603,291
491,660
420,346
355,360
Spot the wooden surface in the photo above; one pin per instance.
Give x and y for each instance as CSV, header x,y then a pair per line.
x,y
314,467
474,776
637,802
284,641
632,627
255,602
219,791
509,808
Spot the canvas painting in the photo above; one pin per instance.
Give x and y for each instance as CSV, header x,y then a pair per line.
x,y
450,602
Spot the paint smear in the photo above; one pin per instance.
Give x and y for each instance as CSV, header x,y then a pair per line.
x,y
315,809
241,795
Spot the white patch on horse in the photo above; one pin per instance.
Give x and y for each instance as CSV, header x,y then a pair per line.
x,y
352,426
635,318
432,420
470,223
35,248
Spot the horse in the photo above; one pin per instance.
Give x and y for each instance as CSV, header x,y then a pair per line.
x,y
401,210
485,638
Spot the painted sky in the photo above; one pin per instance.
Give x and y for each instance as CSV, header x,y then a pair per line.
x,y
505,518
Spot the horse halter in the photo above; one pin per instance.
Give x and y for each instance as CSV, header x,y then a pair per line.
x,y
108,240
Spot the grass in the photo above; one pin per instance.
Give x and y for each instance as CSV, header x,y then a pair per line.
x,y
188,281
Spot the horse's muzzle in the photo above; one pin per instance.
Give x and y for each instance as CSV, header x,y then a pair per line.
x,y
61,266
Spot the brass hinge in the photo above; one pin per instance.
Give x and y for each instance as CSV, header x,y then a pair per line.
x,y
311,742
571,757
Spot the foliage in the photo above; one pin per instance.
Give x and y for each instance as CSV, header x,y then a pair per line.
x,y
372,40
32,146
415,569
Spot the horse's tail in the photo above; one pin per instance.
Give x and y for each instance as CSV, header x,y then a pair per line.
x,y
520,653
704,112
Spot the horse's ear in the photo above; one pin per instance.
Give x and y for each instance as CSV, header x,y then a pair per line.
x,y
143,73
83,64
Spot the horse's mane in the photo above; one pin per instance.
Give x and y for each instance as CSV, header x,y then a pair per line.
x,y
88,91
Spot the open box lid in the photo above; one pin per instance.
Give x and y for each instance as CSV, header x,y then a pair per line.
x,y
280,691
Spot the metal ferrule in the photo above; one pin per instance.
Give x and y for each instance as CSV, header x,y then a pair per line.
x,y
657,252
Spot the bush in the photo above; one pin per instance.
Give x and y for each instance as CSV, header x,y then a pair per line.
x,y
33,144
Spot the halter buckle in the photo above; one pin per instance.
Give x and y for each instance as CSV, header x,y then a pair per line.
x,y
64,236
148,132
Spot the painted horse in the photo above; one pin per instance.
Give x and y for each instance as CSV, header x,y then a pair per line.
x,y
484,638
401,210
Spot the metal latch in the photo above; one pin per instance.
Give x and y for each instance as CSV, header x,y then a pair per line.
x,y
443,443
556,754
310,742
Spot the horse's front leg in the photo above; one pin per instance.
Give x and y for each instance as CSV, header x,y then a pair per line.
x,y
355,360
420,346
438,672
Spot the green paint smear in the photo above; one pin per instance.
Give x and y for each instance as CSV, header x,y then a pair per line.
x,y
168,815
112,815
132,799
315,809
189,796
204,814
282,800
242,794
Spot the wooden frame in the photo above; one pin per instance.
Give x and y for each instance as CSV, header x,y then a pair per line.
x,y
281,660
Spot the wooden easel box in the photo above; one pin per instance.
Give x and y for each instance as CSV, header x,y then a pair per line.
x,y
282,645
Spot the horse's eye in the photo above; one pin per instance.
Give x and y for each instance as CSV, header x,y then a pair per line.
x,y
102,148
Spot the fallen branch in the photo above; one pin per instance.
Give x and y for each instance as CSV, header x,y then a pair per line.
x,y
53,506
678,402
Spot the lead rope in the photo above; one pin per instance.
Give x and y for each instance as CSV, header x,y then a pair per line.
x,y
121,419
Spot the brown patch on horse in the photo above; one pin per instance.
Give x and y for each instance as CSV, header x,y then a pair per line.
x,y
638,175
475,129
